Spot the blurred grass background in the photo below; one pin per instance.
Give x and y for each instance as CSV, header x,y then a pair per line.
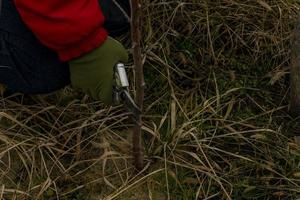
x,y
216,121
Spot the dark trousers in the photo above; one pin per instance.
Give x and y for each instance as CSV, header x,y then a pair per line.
x,y
29,67
25,64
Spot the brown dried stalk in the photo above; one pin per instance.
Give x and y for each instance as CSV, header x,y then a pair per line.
x,y
295,71
139,74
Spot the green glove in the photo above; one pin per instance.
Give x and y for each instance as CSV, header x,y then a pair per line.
x,y
93,72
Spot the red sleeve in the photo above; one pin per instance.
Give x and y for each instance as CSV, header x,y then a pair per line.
x,y
69,27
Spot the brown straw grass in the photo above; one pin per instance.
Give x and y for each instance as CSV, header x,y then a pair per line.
x,y
216,123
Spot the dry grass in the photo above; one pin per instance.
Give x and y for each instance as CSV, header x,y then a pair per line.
x,y
216,123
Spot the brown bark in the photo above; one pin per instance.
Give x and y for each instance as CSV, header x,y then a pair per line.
x,y
139,74
295,70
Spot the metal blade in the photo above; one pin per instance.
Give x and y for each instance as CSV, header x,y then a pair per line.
x,y
130,104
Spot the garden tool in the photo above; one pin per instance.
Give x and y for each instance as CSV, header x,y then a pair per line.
x,y
121,91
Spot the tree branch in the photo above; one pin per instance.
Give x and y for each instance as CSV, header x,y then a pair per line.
x,y
139,74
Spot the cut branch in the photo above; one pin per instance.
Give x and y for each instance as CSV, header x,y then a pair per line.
x,y
139,79
295,71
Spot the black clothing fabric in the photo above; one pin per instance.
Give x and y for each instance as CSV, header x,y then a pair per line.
x,y
117,16
25,64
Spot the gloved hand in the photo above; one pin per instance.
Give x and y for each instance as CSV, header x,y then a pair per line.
x,y
93,72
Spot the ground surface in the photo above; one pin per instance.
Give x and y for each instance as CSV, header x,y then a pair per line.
x,y
216,122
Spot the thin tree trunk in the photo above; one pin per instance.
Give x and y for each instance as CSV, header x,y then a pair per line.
x,y
139,74
295,70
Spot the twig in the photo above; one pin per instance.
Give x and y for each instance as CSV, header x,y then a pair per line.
x,y
137,57
295,71
121,9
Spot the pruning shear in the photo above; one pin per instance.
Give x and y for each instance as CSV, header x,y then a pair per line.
x,y
121,90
